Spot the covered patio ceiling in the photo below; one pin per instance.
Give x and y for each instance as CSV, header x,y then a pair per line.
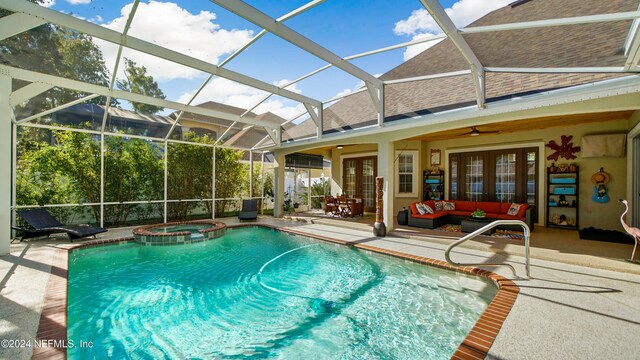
x,y
318,115
525,125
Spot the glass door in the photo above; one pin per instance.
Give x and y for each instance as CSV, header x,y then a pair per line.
x,y
368,181
474,176
358,178
508,175
349,182
505,183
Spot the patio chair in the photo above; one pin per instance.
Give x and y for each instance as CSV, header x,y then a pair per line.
x,y
356,205
249,210
42,223
330,205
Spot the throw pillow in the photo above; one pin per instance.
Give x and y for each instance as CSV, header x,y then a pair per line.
x,y
513,210
421,208
449,206
439,205
428,209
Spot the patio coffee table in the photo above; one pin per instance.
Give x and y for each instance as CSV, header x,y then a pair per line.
x,y
472,224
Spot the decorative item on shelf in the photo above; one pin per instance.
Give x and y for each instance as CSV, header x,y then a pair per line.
x,y
562,220
553,168
566,150
600,180
563,168
478,214
573,167
435,170
563,201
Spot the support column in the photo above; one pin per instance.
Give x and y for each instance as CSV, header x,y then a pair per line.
x,y
262,185
166,179
102,180
309,190
5,165
386,169
213,185
278,191
250,174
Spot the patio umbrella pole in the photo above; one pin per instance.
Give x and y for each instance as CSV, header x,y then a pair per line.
x,y
379,229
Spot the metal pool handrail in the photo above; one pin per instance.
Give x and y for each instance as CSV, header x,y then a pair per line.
x,y
493,224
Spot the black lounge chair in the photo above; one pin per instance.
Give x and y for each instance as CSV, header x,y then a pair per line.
x,y
42,223
249,210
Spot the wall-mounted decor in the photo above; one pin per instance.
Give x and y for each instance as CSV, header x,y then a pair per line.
x,y
599,145
566,150
600,180
435,157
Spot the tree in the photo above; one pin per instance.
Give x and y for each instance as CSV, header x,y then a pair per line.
x,y
137,81
230,178
190,170
134,171
53,50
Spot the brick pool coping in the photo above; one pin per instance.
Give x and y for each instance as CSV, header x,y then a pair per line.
x,y
144,235
53,319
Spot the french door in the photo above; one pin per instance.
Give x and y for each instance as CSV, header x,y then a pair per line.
x,y
358,179
508,176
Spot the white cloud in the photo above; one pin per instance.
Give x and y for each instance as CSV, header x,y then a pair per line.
x,y
414,50
48,3
279,108
167,24
78,2
462,13
232,93
292,87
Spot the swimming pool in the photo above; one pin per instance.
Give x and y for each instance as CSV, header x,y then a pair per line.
x,y
258,292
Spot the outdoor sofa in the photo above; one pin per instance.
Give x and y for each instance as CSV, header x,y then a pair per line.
x,y
460,210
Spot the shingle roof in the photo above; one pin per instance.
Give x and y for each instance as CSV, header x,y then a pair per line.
x,y
582,45
266,117
241,135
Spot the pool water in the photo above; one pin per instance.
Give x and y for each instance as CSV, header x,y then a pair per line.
x,y
258,292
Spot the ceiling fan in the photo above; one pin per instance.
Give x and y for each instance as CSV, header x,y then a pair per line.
x,y
475,132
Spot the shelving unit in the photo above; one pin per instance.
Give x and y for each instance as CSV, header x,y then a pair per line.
x,y
432,186
563,199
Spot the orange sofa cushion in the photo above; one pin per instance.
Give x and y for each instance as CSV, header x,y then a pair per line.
x,y
489,207
431,216
465,206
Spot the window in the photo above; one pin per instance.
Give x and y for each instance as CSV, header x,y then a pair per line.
x,y
407,170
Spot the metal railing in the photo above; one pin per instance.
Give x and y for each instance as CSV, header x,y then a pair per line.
x,y
491,225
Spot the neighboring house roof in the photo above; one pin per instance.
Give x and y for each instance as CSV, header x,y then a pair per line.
x,y
267,117
241,135
582,45
117,120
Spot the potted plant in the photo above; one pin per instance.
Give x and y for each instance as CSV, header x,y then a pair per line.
x,y
287,206
478,213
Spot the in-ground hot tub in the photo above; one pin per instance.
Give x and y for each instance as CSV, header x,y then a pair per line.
x,y
181,232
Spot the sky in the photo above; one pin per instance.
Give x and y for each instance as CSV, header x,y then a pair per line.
x,y
204,30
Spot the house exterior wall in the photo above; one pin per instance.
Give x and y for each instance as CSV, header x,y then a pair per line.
x,y
603,216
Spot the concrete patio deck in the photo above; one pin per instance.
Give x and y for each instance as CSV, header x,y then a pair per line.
x,y
574,306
